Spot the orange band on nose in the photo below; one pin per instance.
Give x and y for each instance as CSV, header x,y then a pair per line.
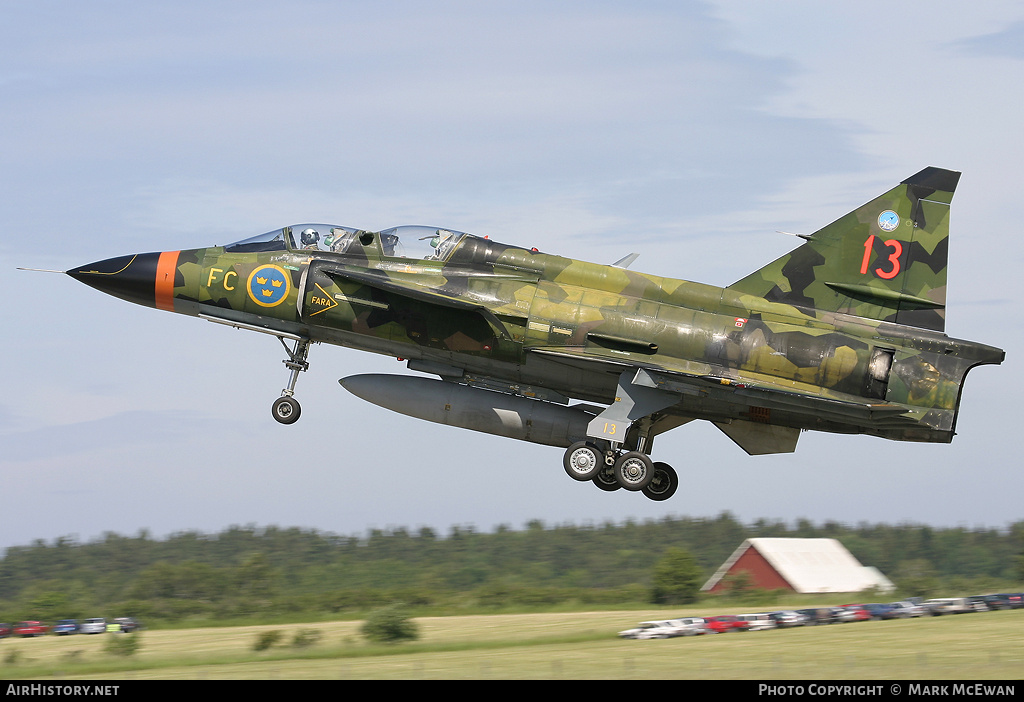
x,y
165,268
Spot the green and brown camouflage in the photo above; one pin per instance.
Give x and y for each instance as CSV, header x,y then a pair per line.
x,y
843,334
886,260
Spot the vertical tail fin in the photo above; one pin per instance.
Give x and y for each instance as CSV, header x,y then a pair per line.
x,y
886,260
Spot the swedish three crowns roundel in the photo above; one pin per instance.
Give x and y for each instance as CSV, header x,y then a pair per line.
x,y
268,285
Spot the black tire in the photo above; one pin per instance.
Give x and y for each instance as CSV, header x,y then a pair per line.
x,y
634,471
605,479
664,483
582,461
286,410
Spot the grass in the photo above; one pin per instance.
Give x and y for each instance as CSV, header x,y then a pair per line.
x,y
580,645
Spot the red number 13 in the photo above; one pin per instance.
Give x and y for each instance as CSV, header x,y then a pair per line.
x,y
894,258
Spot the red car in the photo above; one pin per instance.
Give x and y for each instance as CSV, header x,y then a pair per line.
x,y
855,613
30,628
724,623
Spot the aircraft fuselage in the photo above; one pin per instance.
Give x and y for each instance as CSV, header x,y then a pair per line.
x,y
541,320
844,334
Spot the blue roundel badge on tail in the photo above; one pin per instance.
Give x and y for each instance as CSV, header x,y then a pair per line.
x,y
268,285
888,221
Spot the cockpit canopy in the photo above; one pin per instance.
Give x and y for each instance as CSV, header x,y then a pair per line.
x,y
410,241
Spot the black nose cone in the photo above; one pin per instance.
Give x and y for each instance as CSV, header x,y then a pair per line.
x,y
131,278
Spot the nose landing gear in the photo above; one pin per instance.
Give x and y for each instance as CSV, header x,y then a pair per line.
x,y
286,409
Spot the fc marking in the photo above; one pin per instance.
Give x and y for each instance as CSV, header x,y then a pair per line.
x,y
224,280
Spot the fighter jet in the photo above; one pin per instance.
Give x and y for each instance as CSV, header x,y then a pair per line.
x,y
844,334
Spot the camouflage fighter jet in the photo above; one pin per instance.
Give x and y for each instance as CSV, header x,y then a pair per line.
x,y
844,334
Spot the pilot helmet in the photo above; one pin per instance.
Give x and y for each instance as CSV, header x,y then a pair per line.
x,y
310,236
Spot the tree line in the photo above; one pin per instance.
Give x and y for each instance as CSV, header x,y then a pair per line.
x,y
247,571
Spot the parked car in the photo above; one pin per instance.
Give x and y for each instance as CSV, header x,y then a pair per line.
x,y
787,618
725,622
128,624
905,609
757,622
1014,600
854,613
841,614
30,628
979,603
816,615
948,605
666,629
991,602
691,626
877,610
95,625
663,629
65,626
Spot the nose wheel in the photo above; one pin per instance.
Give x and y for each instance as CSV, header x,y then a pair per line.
x,y
286,409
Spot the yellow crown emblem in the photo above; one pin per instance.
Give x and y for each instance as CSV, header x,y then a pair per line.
x,y
276,283
267,293
261,281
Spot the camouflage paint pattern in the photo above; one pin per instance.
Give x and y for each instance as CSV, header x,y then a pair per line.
x,y
843,334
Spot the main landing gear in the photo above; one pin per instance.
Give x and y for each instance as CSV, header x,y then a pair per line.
x,y
286,408
615,453
611,469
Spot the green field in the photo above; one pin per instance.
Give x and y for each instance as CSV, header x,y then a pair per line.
x,y
578,645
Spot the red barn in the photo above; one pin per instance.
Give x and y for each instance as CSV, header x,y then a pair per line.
x,y
800,565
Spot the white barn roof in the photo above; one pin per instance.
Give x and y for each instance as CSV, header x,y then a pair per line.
x,y
810,565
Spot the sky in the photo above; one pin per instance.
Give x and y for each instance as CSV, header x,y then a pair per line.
x,y
688,132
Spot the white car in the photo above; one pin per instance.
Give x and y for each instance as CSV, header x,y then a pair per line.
x,y
665,629
787,618
691,626
948,605
650,630
757,622
96,625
